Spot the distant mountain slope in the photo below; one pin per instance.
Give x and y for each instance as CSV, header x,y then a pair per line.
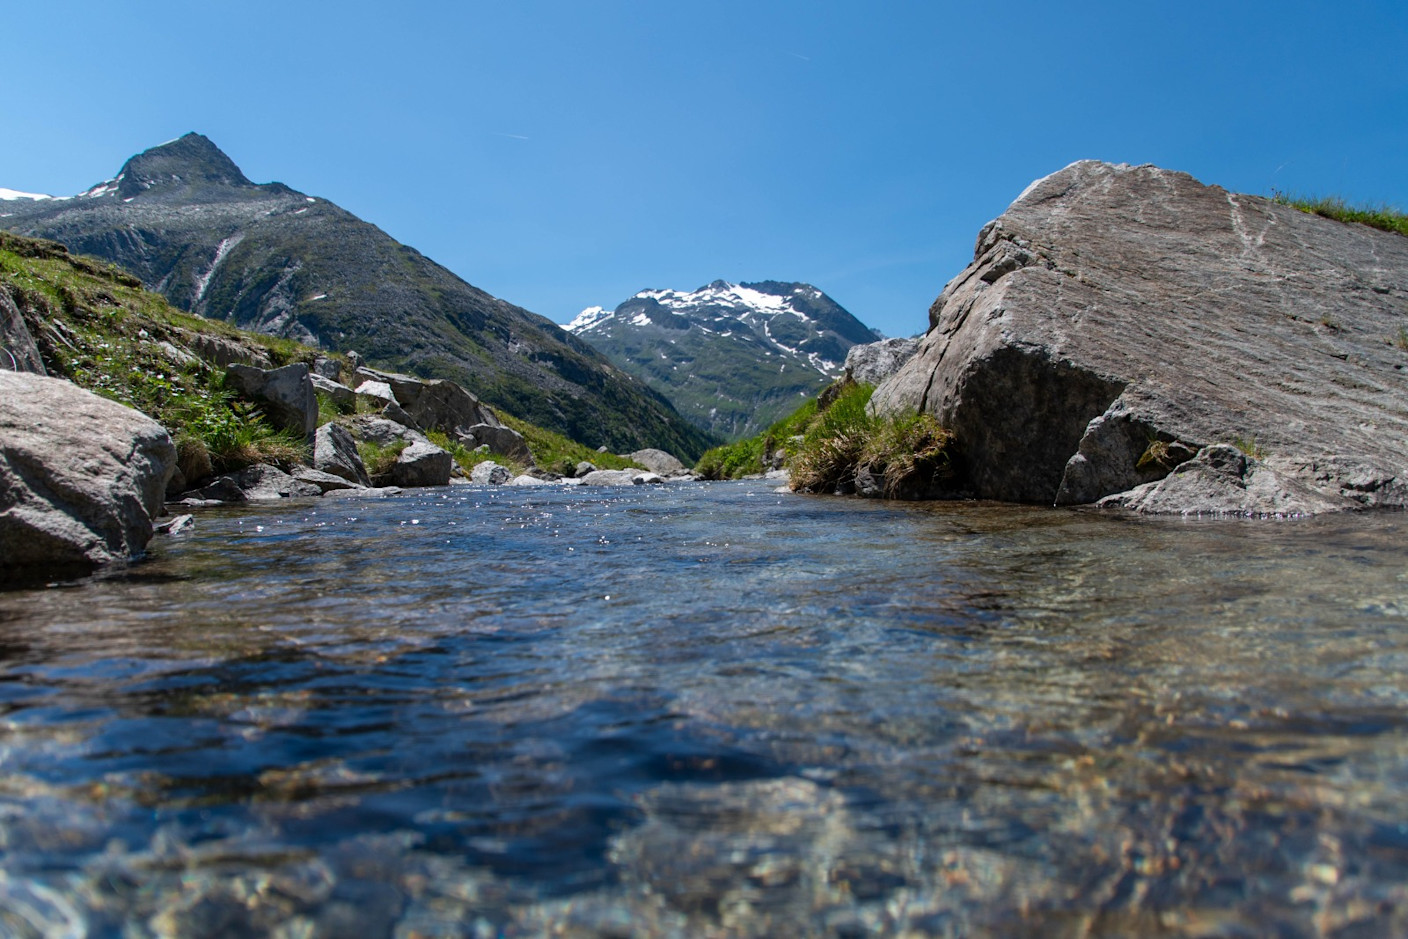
x,y
734,358
183,218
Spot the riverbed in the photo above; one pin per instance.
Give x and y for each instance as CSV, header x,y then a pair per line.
x,y
712,710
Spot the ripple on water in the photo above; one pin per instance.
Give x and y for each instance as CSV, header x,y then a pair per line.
x,y
711,710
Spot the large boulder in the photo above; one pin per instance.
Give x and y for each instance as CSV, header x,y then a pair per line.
x,y
435,404
420,464
335,452
1118,321
286,394
658,461
81,478
501,441
872,362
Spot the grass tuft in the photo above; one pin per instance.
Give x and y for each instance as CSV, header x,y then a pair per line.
x,y
1383,217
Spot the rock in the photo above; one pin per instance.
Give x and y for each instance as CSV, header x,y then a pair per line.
x,y
380,431
873,362
420,464
286,394
503,441
1118,320
18,350
583,468
394,412
176,355
82,478
379,393
1221,480
526,480
335,453
658,461
176,524
436,404
223,353
489,473
329,368
326,482
342,397
258,483
631,477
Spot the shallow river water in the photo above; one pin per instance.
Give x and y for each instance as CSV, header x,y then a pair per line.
x,y
712,710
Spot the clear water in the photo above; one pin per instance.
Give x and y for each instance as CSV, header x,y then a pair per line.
x,y
705,710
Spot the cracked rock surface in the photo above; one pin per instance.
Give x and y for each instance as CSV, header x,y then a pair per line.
x,y
1119,320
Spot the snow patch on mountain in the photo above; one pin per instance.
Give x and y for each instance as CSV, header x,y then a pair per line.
x,y
588,318
12,194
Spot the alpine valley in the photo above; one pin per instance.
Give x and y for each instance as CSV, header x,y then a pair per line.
x,y
184,218
733,358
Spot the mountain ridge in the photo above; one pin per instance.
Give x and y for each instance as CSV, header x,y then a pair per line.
x,y
183,218
733,357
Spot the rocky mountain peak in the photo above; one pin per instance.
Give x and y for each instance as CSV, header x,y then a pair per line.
x,y
188,161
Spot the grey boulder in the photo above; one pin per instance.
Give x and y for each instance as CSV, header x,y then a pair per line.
x,y
659,462
82,478
489,473
342,397
1116,321
420,464
631,477
286,394
501,441
335,453
258,483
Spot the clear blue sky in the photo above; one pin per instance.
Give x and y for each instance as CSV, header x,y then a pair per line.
x,y
567,153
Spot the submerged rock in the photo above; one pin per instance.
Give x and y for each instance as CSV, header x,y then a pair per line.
x,y
82,478
1118,320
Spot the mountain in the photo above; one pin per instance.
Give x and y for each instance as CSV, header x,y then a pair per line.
x,y
186,220
734,358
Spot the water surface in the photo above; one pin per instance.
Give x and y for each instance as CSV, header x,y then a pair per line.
x,y
712,709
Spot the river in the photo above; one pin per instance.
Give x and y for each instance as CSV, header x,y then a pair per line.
x,y
712,710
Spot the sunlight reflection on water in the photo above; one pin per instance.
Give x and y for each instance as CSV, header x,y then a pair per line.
x,y
712,710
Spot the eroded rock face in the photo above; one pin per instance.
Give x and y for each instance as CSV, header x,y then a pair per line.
x,y
1118,320
81,478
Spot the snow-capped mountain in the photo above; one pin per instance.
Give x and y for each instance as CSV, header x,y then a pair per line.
x,y
733,358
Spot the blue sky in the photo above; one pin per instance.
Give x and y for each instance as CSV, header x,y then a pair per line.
x,y
566,153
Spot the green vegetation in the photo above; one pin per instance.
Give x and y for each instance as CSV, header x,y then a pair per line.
x,y
745,457
96,327
558,454
1401,340
1382,217
1249,447
825,447
379,459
